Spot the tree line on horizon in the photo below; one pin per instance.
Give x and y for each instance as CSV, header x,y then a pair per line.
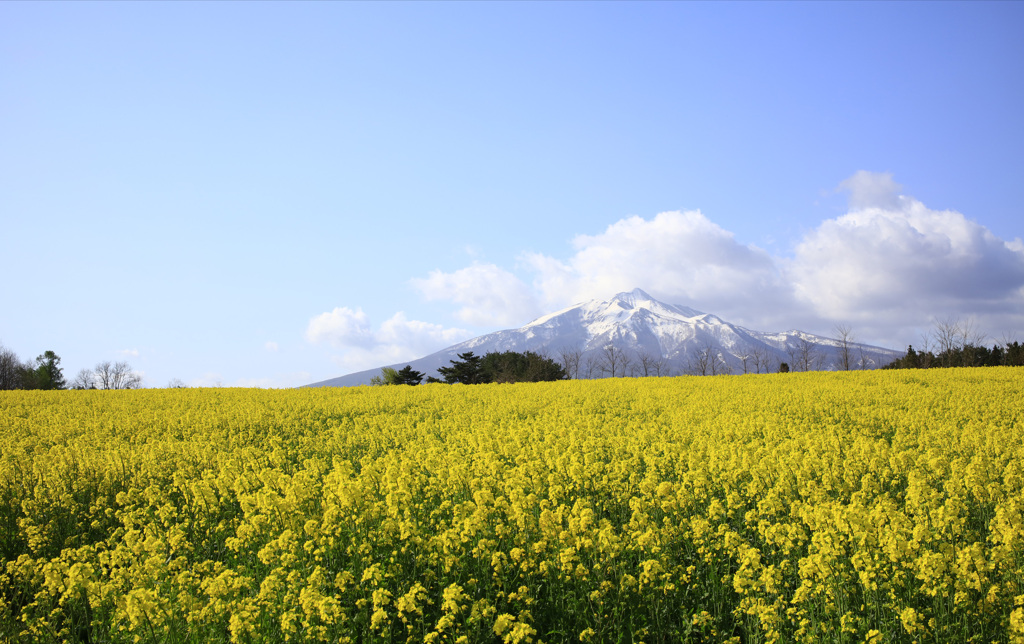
x,y
471,369
955,344
45,373
951,343
968,355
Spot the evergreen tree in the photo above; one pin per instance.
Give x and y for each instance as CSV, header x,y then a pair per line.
x,y
512,366
966,355
1013,355
48,374
506,366
911,359
466,370
408,376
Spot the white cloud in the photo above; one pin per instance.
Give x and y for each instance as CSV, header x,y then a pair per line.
x,y
871,190
489,295
890,266
341,327
418,336
133,353
363,347
270,346
679,256
898,265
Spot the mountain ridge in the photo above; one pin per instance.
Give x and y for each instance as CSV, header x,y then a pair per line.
x,y
669,338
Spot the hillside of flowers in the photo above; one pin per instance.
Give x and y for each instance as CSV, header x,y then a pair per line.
x,y
877,506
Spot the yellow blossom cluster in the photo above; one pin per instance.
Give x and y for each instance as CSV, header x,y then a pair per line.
x,y
877,506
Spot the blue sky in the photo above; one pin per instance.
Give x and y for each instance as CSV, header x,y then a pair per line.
x,y
270,194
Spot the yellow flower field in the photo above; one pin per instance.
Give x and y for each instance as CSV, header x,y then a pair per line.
x,y
877,506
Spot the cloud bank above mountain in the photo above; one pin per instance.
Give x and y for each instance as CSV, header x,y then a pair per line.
x,y
889,267
489,295
362,346
680,255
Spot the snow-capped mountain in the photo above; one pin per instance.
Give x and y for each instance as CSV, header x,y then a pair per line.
x,y
635,334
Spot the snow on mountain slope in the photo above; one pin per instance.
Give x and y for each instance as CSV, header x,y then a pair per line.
x,y
673,339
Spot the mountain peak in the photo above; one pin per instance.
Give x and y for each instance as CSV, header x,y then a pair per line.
x,y
641,299
633,299
637,294
639,326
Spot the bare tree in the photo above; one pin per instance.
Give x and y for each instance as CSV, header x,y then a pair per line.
x,y
660,367
570,359
699,363
970,333
805,356
10,369
745,358
957,339
925,352
647,364
104,375
719,366
865,361
970,340
116,376
590,367
85,379
707,361
818,357
845,336
794,353
176,383
946,335
1008,343
626,361
762,359
613,361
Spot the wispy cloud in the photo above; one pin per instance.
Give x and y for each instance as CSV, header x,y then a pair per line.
x,y
871,190
488,295
360,346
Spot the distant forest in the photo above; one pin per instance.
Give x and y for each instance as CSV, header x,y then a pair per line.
x,y
953,343
46,373
470,369
968,355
